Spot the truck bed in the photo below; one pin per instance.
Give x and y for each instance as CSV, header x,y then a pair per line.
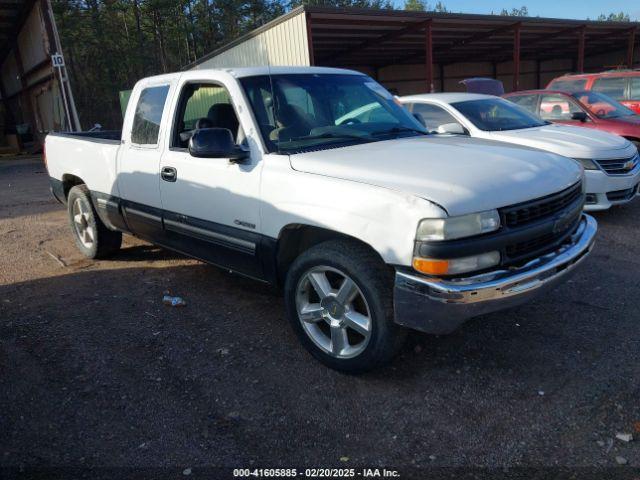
x,y
88,156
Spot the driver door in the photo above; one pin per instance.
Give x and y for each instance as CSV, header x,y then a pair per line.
x,y
211,206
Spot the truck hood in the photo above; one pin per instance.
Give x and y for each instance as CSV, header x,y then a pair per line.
x,y
573,142
461,174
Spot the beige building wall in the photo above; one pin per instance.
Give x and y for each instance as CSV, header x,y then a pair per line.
x,y
33,46
34,101
282,44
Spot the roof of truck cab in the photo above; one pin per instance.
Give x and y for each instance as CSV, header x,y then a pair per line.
x,y
255,71
445,97
250,72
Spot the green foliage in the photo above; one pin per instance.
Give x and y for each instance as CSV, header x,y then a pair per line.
x,y
376,4
516,12
110,44
614,17
415,5
423,6
440,8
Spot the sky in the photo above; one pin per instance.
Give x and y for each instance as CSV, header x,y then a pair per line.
x,y
580,9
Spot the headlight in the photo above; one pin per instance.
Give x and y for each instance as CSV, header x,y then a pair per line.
x,y
587,163
435,229
454,266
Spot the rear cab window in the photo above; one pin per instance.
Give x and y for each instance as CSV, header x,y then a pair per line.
x,y
612,86
148,115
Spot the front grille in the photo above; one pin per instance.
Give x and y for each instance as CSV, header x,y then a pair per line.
x,y
620,195
619,166
540,208
535,247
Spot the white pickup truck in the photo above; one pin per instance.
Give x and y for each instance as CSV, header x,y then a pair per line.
x,y
369,224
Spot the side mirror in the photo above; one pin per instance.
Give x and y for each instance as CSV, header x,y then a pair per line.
x,y
581,116
216,143
452,128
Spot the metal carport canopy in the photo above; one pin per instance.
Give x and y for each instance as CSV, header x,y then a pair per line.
x,y
378,38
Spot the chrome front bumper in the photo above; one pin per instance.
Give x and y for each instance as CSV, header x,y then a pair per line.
x,y
438,306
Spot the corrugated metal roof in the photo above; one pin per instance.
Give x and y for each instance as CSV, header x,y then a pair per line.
x,y
347,36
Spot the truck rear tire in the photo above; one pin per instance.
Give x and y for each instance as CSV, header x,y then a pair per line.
x,y
339,301
92,237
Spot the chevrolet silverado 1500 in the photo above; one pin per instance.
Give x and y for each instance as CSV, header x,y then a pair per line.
x,y
368,224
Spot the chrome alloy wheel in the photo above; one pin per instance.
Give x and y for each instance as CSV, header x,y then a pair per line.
x,y
84,230
333,312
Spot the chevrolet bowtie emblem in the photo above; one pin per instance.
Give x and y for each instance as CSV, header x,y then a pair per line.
x,y
629,165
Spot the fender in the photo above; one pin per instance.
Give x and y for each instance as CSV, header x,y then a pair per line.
x,y
384,219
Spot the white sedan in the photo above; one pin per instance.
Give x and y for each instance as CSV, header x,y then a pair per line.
x,y
611,163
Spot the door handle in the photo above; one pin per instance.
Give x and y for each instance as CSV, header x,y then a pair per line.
x,y
169,174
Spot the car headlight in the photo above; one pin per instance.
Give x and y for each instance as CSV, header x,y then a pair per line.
x,y
587,163
455,266
436,229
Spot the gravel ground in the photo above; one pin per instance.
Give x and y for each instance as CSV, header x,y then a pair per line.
x,y
95,372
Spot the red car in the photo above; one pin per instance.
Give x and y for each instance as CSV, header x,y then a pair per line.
x,y
621,85
584,109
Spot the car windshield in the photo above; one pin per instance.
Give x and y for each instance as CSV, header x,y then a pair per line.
x,y
496,114
601,105
302,112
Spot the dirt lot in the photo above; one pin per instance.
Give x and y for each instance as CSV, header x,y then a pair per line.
x,y
95,371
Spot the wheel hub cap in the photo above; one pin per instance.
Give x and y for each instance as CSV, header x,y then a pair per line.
x,y
333,312
332,307
81,223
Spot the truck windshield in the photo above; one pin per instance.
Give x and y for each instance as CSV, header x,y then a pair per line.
x,y
494,115
302,112
602,106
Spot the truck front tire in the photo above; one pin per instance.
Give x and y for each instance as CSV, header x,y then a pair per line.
x,y
339,301
92,237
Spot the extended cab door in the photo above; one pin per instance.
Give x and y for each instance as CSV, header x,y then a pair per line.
x,y
139,160
211,205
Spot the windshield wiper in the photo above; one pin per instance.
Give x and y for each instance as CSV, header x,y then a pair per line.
x,y
393,130
332,135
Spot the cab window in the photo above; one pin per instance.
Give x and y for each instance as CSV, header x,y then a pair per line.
x,y
148,115
528,102
433,115
557,107
203,106
612,86
634,88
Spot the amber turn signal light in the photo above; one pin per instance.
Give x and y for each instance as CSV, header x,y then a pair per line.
x,y
430,266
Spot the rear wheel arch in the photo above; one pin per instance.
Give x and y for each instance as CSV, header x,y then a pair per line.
x,y
92,236
69,181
